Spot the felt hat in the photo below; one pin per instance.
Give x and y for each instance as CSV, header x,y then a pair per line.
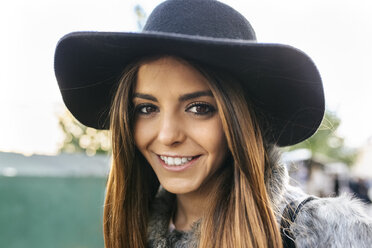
x,y
280,80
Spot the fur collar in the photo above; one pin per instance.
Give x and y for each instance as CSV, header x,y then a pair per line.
x,y
326,222
158,229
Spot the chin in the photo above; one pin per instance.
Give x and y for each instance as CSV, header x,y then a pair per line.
x,y
179,188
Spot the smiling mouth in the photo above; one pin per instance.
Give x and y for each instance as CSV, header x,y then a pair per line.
x,y
176,161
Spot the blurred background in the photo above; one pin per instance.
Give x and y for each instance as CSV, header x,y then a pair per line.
x,y
53,169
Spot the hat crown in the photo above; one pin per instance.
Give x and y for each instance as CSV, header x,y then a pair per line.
x,y
208,18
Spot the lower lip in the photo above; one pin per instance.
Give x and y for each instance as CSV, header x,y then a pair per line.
x,y
178,168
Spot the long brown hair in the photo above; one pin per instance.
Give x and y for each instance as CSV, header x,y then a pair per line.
x,y
243,216
240,214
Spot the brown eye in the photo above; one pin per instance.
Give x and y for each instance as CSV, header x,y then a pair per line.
x,y
146,109
201,109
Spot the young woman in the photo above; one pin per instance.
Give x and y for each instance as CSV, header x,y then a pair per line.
x,y
197,108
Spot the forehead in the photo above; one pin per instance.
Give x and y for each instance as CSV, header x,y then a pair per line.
x,y
169,74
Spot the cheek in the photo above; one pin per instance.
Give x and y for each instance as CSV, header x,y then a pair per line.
x,y
211,137
142,134
218,146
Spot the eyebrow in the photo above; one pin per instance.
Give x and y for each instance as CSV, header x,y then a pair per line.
x,y
182,98
193,95
145,96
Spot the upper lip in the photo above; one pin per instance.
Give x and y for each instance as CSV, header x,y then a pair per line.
x,y
176,156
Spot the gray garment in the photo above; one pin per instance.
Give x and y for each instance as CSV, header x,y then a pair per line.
x,y
323,222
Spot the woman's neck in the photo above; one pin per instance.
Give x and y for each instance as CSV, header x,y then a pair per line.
x,y
190,208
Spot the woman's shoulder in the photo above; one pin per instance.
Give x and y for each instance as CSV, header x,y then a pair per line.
x,y
333,222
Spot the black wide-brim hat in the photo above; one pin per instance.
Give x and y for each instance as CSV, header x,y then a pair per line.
x,y
280,80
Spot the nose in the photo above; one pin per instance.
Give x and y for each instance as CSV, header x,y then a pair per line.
x,y
171,130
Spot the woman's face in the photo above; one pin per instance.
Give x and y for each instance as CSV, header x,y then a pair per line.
x,y
177,126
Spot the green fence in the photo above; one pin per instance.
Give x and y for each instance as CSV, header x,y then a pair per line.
x,y
47,212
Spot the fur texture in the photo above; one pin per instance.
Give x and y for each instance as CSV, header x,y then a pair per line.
x,y
333,222
158,231
326,222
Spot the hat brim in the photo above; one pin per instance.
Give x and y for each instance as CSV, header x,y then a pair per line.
x,y
281,81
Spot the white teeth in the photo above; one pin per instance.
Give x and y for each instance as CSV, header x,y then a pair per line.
x,y
175,160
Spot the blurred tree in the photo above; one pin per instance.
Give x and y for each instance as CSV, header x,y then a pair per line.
x,y
327,144
79,138
141,16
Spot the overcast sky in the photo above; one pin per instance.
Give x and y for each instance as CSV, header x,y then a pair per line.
x,y
337,34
